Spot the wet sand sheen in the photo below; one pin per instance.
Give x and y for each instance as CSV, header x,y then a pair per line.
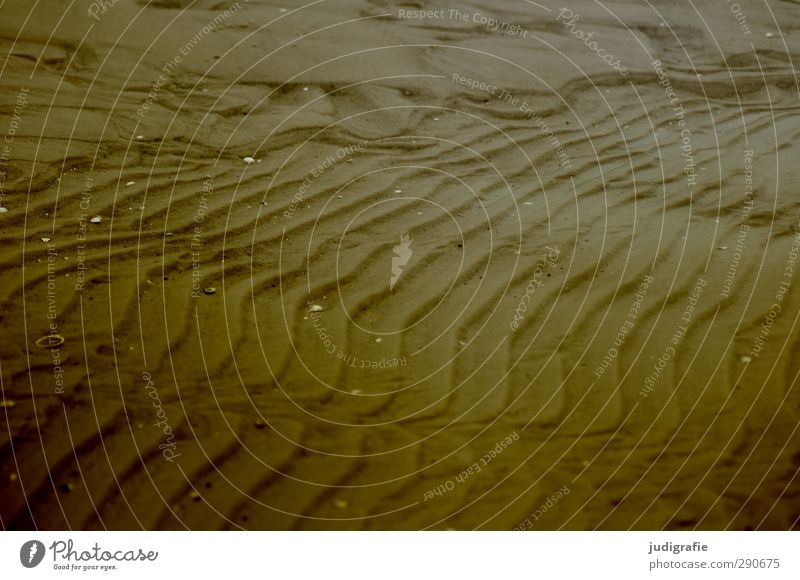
x,y
376,266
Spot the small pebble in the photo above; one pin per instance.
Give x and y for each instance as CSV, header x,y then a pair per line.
x,y
315,308
378,340
355,392
770,35
67,487
7,403
249,160
194,495
260,424
3,210
96,219
13,477
745,359
341,504
210,290
130,183
45,240
723,247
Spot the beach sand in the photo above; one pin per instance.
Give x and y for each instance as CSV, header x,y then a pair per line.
x,y
492,265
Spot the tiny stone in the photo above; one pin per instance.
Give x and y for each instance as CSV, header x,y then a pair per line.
x,y
341,504
45,240
769,35
3,210
249,160
723,247
130,183
745,359
140,136
67,487
315,308
210,290
7,403
260,424
96,219
355,392
13,477
194,495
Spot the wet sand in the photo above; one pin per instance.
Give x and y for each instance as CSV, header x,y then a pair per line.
x,y
368,265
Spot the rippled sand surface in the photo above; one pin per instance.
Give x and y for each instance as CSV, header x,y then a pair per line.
x,y
373,265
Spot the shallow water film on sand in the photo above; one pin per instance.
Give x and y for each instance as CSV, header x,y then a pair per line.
x,y
366,264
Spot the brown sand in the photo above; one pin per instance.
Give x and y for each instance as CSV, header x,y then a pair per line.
x,y
649,382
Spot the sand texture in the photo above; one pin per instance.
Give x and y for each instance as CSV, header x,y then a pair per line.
x,y
349,265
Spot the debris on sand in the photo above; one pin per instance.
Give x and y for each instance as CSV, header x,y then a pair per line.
x,y
249,160
50,341
210,290
315,308
96,219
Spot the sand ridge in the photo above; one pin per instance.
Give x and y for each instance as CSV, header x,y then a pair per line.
x,y
347,251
